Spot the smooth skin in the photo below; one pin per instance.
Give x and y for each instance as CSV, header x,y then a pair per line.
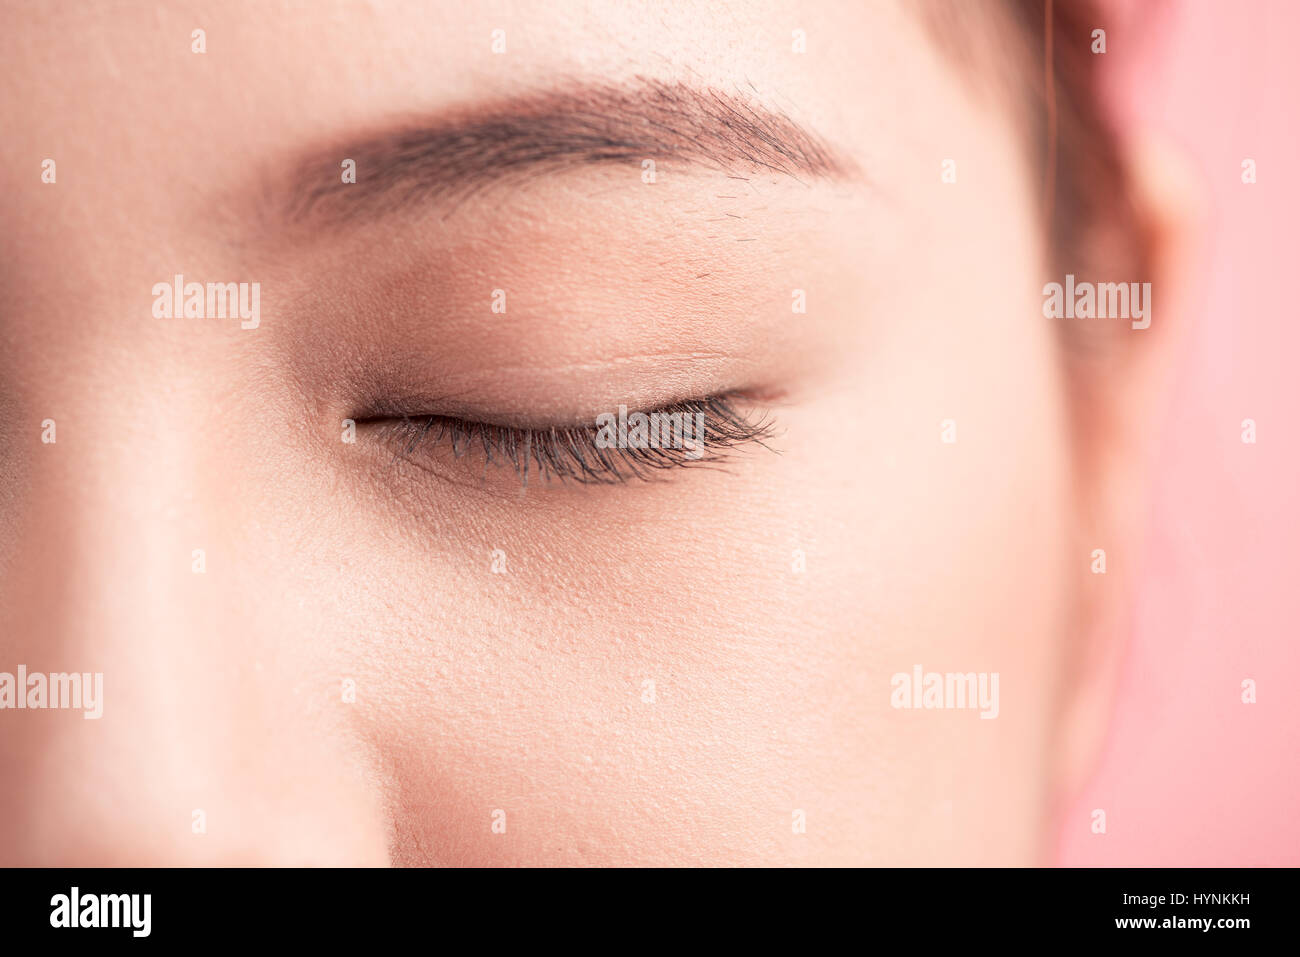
x,y
525,690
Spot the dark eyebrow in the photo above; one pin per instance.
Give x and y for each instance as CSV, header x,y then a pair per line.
x,y
463,151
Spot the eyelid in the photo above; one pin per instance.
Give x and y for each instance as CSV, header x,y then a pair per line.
x,y
572,453
525,396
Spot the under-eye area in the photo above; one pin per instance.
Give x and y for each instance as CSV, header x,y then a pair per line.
x,y
617,446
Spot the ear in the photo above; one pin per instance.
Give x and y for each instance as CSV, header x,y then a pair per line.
x,y
1119,396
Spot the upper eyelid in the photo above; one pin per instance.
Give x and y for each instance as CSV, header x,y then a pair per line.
x,y
465,406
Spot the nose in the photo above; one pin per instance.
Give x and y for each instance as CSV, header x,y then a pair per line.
x,y
209,745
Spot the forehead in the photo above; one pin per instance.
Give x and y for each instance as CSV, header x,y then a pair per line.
x,y
273,77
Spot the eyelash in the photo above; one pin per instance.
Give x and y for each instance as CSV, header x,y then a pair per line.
x,y
571,453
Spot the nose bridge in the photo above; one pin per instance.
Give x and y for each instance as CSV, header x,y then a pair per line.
x,y
125,571
100,589
108,508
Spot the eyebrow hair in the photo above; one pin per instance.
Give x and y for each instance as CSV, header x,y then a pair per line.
x,y
524,137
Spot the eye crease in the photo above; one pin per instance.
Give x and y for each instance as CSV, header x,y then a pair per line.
x,y
615,449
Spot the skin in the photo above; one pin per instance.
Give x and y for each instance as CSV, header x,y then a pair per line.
x,y
325,560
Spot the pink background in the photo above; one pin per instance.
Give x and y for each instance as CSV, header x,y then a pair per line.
x,y
1190,775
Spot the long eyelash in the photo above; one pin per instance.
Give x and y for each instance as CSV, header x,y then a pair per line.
x,y
571,454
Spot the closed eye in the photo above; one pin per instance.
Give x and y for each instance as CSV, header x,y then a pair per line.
x,y
617,447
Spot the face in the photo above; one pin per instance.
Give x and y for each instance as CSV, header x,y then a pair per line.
x,y
335,622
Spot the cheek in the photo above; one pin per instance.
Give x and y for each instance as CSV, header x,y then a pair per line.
x,y
662,681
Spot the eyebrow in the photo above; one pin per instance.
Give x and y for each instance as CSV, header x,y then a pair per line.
x,y
460,153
